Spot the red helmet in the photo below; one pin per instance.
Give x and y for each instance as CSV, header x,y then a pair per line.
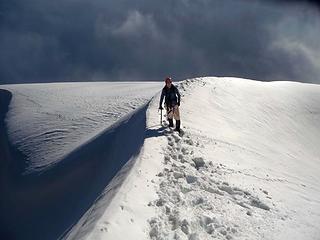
x,y
168,80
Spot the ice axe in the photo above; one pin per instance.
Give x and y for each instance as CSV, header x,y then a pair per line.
x,y
160,116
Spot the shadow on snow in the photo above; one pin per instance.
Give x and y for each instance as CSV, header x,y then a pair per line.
x,y
49,204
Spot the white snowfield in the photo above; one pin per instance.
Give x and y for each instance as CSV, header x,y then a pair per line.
x,y
47,121
246,165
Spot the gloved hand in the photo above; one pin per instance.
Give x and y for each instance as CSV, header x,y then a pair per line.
x,y
160,107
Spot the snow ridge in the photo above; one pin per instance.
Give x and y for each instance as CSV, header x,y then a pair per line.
x,y
246,166
47,121
193,196
54,204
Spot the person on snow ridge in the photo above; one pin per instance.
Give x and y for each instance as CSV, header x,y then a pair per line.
x,y
172,102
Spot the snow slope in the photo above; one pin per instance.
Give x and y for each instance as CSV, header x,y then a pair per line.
x,y
246,167
54,193
47,121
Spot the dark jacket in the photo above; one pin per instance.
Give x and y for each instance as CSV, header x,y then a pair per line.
x,y
171,95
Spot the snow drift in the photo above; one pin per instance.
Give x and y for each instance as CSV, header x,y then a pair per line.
x,y
46,121
45,204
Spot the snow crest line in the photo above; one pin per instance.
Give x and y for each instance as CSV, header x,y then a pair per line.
x,y
47,205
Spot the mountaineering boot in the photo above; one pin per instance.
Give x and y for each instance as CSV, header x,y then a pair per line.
x,y
170,122
177,125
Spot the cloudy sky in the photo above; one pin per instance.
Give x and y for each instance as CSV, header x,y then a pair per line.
x,y
90,40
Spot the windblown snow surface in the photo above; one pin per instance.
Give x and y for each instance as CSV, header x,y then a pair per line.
x,y
61,144
45,121
246,166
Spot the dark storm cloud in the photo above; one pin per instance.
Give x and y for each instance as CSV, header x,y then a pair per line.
x,y
81,40
312,2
